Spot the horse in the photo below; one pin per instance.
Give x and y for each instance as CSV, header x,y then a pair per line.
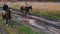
x,y
26,9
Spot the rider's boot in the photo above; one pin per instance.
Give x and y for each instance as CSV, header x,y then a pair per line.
x,y
7,22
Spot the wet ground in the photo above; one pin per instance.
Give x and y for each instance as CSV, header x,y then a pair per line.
x,y
40,23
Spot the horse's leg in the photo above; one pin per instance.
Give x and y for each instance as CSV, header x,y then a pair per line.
x,y
21,12
25,12
29,12
4,20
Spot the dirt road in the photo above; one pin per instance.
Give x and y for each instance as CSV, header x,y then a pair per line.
x,y
40,23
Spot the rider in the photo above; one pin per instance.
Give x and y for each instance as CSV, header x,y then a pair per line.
x,y
5,7
6,14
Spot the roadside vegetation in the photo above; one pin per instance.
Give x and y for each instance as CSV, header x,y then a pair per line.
x,y
54,15
50,15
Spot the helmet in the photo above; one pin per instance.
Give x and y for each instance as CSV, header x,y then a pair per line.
x,y
5,7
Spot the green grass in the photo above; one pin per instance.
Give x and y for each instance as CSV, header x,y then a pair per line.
x,y
0,17
15,7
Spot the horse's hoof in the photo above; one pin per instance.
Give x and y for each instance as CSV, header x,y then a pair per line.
x,y
6,24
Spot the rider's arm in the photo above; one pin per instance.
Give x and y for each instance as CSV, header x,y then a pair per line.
x,y
3,13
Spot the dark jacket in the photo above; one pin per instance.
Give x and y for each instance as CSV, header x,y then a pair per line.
x,y
5,7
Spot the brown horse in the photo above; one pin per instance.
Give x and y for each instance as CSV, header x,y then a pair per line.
x,y
26,9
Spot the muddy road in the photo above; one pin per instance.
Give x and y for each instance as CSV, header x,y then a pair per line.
x,y
38,23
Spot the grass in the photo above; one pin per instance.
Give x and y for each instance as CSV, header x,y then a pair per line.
x,y
15,7
52,15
